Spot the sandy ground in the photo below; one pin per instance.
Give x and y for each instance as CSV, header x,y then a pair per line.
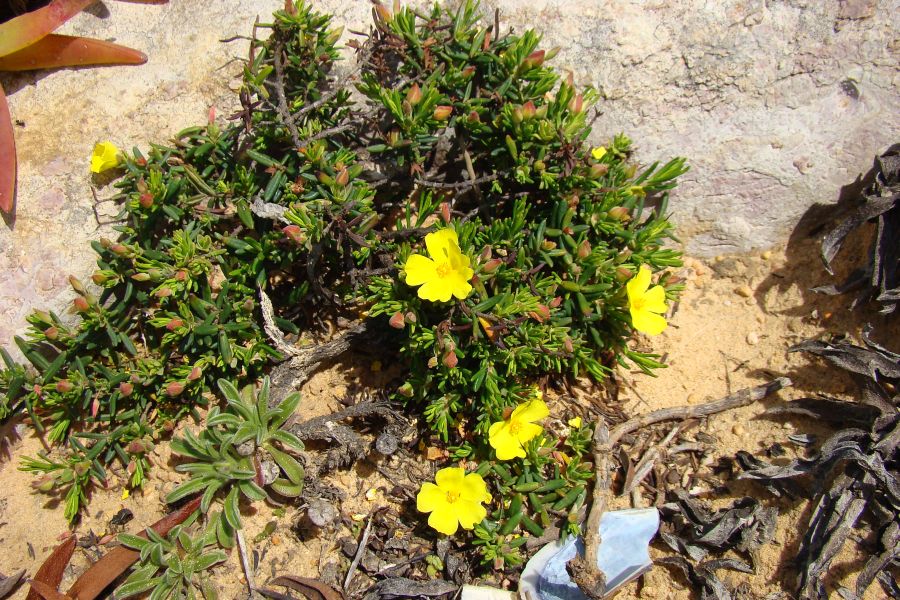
x,y
732,328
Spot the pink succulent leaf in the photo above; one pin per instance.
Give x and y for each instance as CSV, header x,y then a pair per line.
x,y
24,30
7,157
67,51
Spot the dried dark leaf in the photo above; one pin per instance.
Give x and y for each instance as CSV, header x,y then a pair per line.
x,y
889,584
703,576
862,361
46,592
401,587
312,589
8,584
828,409
51,572
103,572
890,541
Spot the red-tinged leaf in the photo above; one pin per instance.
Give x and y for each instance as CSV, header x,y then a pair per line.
x,y
7,157
51,572
26,29
103,572
56,51
42,590
311,588
145,1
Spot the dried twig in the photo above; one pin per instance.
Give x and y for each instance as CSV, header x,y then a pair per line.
x,y
245,563
360,550
583,569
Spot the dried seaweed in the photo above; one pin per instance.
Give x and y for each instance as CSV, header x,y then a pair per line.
x,y
702,576
9,584
881,202
401,587
852,477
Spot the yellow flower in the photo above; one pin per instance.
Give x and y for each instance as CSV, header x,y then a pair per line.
x,y
508,436
598,152
445,274
575,422
454,501
646,304
104,157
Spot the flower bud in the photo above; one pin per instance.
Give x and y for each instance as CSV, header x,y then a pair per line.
x,y
450,360
383,12
98,278
294,233
411,316
598,170
507,412
468,71
105,242
517,116
145,200
528,110
491,265
445,212
118,249
343,177
397,321
164,292
443,112
548,245
567,344
51,333
584,249
174,389
195,374
474,117
620,213
141,186
141,277
77,285
44,484
174,324
535,59
487,41
576,104
556,302
81,467
135,447
81,304
64,386
181,275
623,274
334,35
541,314
432,362
126,389
406,390
37,389
414,95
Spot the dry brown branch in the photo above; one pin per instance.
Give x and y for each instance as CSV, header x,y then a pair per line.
x,y
583,569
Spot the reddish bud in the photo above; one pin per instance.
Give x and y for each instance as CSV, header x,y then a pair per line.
x,y
126,388
623,274
405,390
397,321
131,468
474,117
567,343
141,277
445,212
44,484
145,200
140,161
450,360
548,245
491,265
343,177
556,302
507,413
141,186
81,304
163,292
51,333
37,389
64,386
98,278
174,324
598,170
411,316
535,59
528,110
541,314
576,104
443,112
76,285
294,233
414,95
105,242
181,275
118,249
95,407
487,40
174,389
620,213
584,249
195,374
468,71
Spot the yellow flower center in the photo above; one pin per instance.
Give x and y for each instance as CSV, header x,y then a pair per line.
x,y
638,303
452,496
443,269
514,427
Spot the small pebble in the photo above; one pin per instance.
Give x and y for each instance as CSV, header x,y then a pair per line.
x,y
752,338
744,291
767,255
738,429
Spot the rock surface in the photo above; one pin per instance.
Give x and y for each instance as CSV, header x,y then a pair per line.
x,y
777,104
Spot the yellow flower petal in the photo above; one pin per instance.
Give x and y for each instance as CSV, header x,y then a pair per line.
x,y
575,422
450,477
470,514
104,157
638,284
648,322
459,285
474,489
505,444
440,243
430,498
419,269
598,152
531,411
436,290
444,521
655,300
527,431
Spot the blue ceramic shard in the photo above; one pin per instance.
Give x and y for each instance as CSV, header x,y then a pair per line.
x,y
623,556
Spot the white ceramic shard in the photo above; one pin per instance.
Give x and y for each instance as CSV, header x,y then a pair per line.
x,y
481,592
623,556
